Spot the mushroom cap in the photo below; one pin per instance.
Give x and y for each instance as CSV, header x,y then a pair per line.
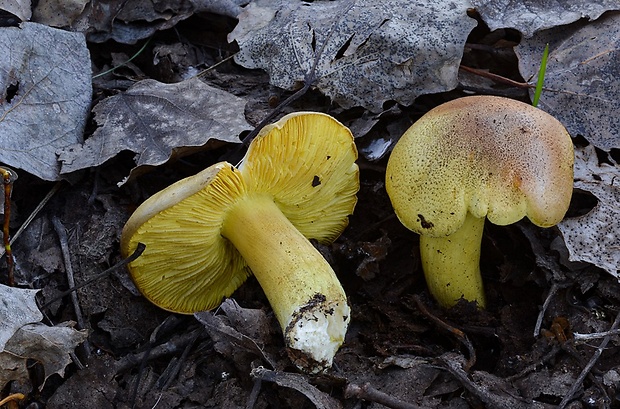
x,y
490,156
187,266
306,162
316,181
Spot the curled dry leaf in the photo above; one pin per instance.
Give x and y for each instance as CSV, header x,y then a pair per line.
x,y
594,237
366,52
23,337
155,120
45,96
529,16
582,80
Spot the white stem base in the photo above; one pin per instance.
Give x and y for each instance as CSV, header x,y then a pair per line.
x,y
315,333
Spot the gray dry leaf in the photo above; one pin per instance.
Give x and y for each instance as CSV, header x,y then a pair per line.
x,y
17,309
594,237
368,52
20,8
529,16
582,81
155,120
58,13
45,96
23,337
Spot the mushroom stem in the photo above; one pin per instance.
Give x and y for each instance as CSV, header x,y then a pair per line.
x,y
451,264
303,290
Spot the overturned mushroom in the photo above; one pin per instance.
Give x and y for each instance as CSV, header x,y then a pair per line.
x,y
205,234
472,158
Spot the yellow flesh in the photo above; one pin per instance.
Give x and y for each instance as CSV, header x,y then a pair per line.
x,y
452,264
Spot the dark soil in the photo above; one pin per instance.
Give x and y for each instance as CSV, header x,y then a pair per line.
x,y
400,346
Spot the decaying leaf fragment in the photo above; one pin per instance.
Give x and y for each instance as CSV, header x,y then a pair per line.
x,y
24,337
45,96
368,52
594,237
529,16
155,120
582,80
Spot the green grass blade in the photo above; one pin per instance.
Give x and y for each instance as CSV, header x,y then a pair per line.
x,y
541,76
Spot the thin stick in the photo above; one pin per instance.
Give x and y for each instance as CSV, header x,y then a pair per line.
x,y
541,315
66,255
8,177
496,78
586,370
595,335
368,393
34,214
460,335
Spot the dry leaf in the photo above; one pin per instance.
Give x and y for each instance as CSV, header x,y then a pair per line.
x,y
45,96
582,81
529,16
23,337
17,309
594,237
58,13
366,52
154,120
19,8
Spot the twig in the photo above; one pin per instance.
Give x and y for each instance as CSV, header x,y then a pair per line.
x,y
595,335
586,370
66,255
172,371
171,347
34,214
368,393
541,315
254,394
8,177
496,78
139,249
460,335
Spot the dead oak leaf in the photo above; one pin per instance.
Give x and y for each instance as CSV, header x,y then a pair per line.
x,y
45,96
361,53
156,120
582,79
24,337
593,237
529,16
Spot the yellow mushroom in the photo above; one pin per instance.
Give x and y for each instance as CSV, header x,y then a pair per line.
x,y
469,159
205,234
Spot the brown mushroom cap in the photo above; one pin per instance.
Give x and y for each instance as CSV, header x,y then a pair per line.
x,y
490,156
306,162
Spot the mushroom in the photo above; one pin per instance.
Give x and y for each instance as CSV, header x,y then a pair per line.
x,y
206,234
471,158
